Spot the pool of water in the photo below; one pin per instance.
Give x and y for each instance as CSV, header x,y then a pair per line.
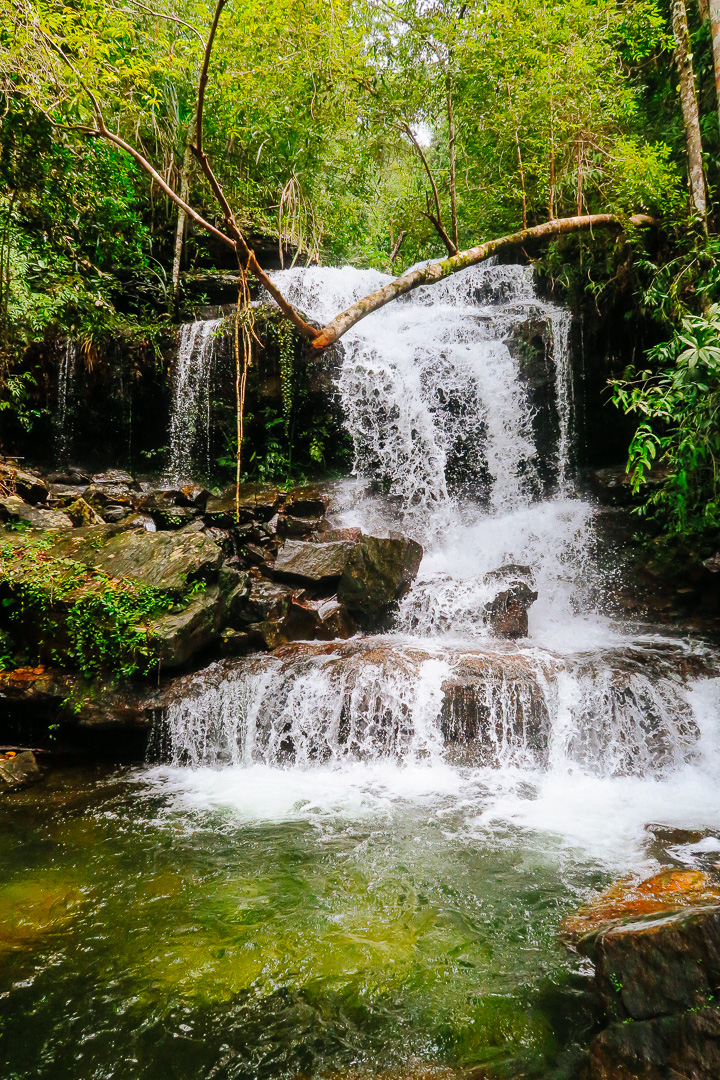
x,y
263,925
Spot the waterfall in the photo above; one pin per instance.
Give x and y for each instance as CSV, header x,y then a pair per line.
x,y
585,714
65,398
190,411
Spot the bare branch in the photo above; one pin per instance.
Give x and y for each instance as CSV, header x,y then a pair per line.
x,y
202,83
437,220
170,18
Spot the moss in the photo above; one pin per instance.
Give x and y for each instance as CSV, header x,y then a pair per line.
x,y
84,618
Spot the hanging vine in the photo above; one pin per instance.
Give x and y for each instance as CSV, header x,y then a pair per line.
x,y
286,352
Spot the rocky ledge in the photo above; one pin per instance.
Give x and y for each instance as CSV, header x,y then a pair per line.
x,y
656,950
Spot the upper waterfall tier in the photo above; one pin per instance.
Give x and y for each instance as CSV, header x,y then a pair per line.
x,y
439,391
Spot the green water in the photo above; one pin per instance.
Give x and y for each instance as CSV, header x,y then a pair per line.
x,y
142,937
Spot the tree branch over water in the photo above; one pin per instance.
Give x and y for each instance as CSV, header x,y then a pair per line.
x,y
434,272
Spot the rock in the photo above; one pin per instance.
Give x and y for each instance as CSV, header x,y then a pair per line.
x,y
681,1047
175,517
176,637
656,950
377,574
267,600
140,521
13,509
112,478
16,481
41,688
162,560
81,513
507,614
319,564
335,621
193,495
103,496
626,901
256,501
239,642
326,534
295,526
18,770
306,502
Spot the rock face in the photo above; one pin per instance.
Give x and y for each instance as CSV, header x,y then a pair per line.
x,y
160,560
13,509
314,564
378,573
656,951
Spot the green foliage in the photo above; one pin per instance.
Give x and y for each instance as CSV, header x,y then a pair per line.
x,y
679,433
99,623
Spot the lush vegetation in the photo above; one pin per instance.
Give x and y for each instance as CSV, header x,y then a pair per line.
x,y
378,132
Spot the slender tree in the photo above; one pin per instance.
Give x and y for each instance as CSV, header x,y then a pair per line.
x,y
688,98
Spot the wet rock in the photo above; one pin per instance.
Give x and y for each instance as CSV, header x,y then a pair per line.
x,y
104,496
113,478
289,527
494,710
140,521
681,1047
629,900
256,501
326,534
175,517
13,509
18,770
507,614
16,481
306,502
161,560
317,564
194,495
377,574
335,621
656,949
267,600
175,638
239,642
81,513
41,688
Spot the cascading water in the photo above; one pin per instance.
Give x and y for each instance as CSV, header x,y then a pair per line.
x,y
67,366
190,411
439,403
356,863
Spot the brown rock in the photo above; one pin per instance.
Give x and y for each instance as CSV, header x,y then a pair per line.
x,y
378,573
81,513
318,564
16,481
18,770
13,509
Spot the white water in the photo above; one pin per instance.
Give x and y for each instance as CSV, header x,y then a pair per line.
x,y
67,369
584,731
190,411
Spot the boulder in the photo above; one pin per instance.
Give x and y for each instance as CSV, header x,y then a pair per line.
x,y
306,502
18,770
267,600
311,563
507,614
377,574
288,526
20,482
113,478
335,621
656,950
178,636
256,501
681,1047
81,513
13,509
162,560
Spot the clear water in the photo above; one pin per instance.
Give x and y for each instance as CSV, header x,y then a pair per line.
x,y
354,858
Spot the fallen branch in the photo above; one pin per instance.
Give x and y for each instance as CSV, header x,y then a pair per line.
x,y
434,272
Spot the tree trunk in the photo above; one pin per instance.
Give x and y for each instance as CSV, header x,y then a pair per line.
x,y
451,146
434,272
714,9
688,99
182,219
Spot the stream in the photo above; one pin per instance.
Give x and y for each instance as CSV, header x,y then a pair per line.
x,y
353,859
